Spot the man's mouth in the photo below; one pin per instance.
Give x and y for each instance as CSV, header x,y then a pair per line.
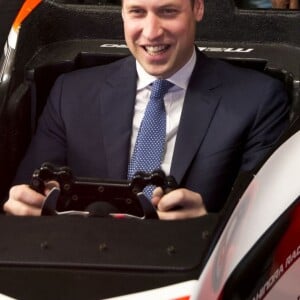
x,y
155,50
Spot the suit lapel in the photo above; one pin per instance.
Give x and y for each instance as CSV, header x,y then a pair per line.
x,y
117,107
201,102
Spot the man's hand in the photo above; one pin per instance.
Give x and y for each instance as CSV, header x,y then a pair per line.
x,y
290,4
178,204
24,201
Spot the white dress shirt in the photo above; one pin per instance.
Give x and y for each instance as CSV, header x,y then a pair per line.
x,y
173,104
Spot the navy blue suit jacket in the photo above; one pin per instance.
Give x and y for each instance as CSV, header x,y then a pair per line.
x,y
230,119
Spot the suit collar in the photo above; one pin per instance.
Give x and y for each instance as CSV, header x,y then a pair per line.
x,y
200,104
180,78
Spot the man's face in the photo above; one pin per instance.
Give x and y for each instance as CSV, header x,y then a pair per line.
x,y
160,33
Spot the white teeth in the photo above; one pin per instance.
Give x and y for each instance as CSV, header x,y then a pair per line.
x,y
155,49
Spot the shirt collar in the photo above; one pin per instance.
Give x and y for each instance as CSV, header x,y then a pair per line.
x,y
180,78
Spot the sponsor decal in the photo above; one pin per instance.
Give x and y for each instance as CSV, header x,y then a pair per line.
x,y
281,269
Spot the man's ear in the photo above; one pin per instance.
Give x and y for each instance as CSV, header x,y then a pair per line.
x,y
198,10
122,13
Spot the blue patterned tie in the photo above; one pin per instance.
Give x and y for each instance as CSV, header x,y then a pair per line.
x,y
149,147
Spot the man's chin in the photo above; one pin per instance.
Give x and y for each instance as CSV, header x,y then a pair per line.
x,y
157,70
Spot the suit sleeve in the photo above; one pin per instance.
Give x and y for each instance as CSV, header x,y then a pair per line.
x,y
48,143
271,120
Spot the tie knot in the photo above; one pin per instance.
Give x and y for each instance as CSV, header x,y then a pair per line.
x,y
160,87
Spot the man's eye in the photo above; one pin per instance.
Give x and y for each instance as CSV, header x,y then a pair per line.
x,y
136,12
169,11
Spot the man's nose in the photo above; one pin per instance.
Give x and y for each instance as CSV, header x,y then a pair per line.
x,y
152,27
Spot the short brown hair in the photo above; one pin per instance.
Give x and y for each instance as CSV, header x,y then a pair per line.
x,y
192,1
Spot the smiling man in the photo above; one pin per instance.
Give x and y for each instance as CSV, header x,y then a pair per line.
x,y
161,37
218,119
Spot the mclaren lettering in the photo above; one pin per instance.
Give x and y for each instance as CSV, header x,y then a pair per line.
x,y
113,46
229,50
203,49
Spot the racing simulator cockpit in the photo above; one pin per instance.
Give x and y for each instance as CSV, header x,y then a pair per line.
x,y
250,250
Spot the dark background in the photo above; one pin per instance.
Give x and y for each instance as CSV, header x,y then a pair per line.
x,y
9,9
